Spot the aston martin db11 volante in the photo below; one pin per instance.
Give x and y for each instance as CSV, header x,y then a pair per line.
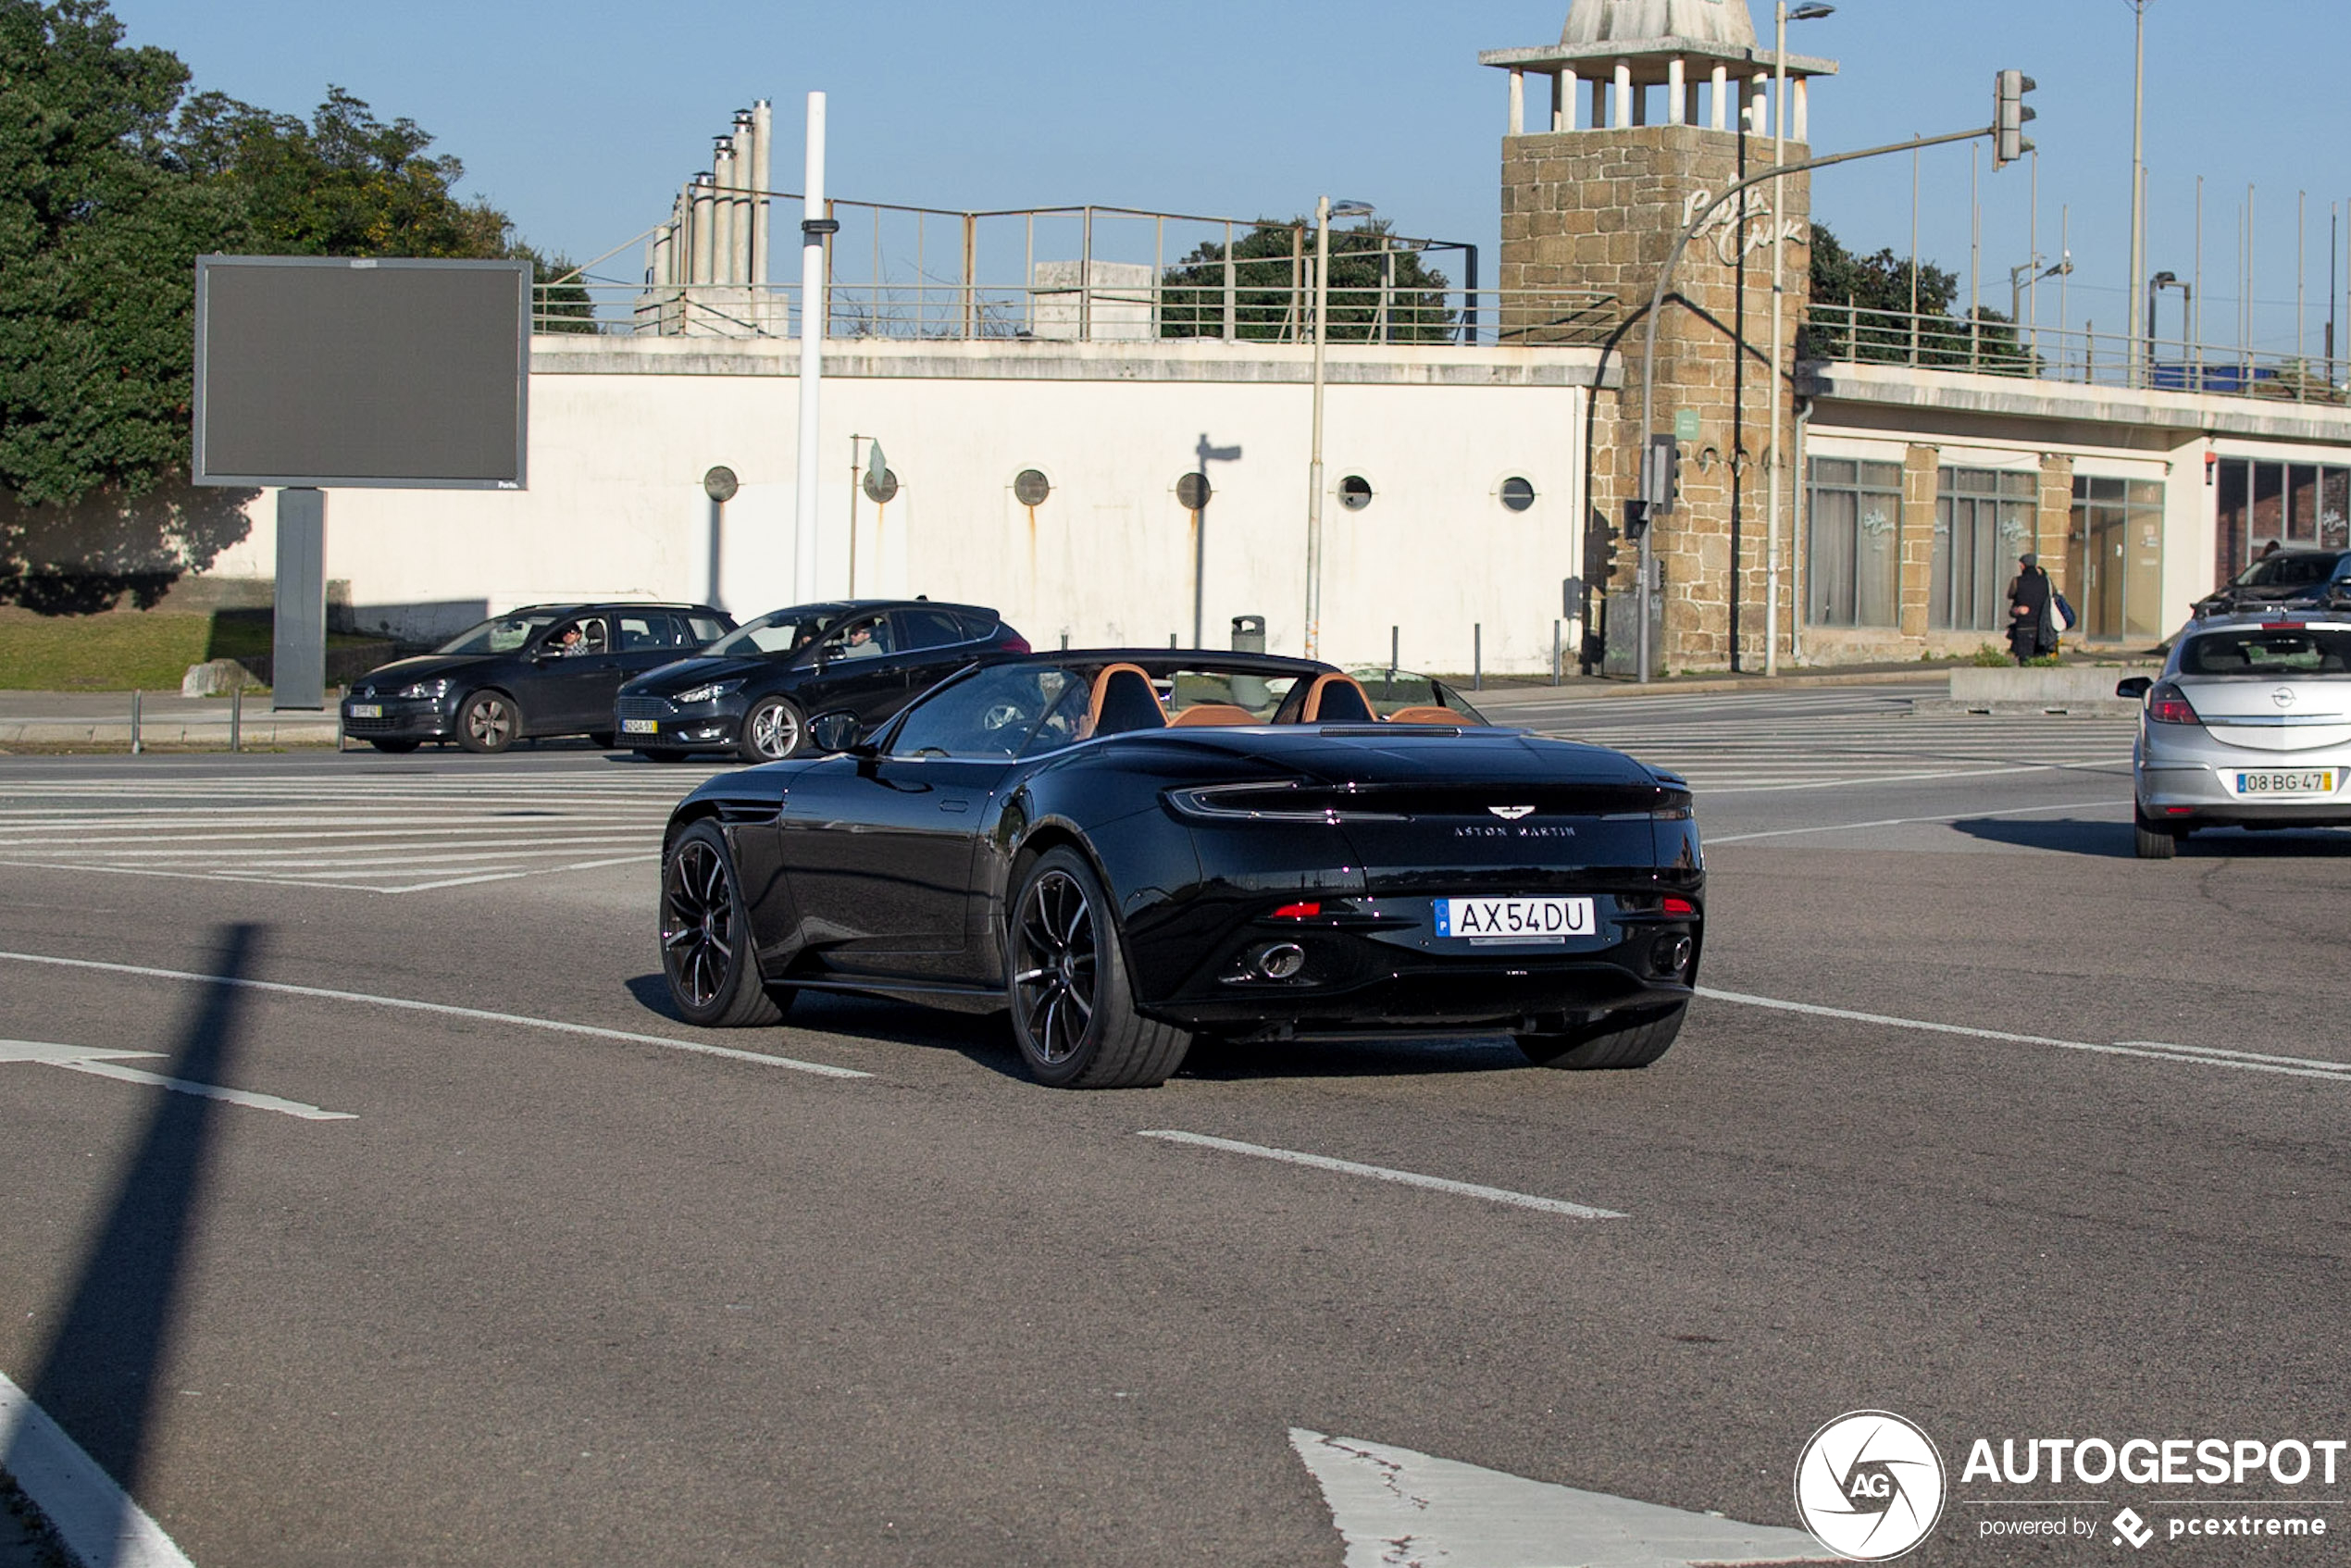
x,y
1127,849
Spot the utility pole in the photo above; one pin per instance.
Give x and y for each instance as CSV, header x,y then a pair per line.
x,y
2138,182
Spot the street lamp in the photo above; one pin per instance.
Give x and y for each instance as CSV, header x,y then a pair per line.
x,y
2138,170
2156,285
1783,15
1325,210
2025,272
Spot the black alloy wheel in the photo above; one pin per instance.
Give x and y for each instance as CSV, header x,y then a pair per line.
x,y
1073,1008
706,952
397,748
489,722
1620,1039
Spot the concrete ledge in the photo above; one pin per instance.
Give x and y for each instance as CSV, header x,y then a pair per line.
x,y
259,729
2078,688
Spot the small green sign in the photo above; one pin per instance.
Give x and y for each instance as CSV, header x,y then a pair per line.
x,y
1685,424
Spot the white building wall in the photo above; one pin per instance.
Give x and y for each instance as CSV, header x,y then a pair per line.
x,y
622,433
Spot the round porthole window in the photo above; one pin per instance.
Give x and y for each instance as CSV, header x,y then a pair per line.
x,y
1518,494
1355,492
1192,491
1031,487
882,488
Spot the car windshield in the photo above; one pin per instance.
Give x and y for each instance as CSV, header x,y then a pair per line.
x,y
779,632
1392,690
503,635
1009,711
2269,653
2284,570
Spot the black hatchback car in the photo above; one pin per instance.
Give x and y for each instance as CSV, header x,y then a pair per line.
x,y
545,669
753,692
2281,580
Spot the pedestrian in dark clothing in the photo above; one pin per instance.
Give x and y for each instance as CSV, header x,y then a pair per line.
x,y
2033,622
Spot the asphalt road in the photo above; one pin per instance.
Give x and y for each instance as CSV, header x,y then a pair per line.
x,y
546,1295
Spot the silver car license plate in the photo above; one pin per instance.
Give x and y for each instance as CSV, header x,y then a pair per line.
x,y
366,710
640,726
2283,783
1514,919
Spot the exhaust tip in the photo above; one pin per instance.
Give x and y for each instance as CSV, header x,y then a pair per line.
x,y
1282,961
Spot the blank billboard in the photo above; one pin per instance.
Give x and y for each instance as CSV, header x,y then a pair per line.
x,y
340,373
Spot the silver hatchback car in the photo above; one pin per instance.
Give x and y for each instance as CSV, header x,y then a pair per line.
x,y
2248,726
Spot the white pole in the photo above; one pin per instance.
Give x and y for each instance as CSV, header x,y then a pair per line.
x,y
2138,182
1314,466
1772,469
812,354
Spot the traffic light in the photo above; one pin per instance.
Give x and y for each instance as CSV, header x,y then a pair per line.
x,y
1660,474
1600,554
2009,111
1637,518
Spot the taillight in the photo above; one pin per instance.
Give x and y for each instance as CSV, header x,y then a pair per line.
x,y
1016,643
1680,906
2168,704
1298,912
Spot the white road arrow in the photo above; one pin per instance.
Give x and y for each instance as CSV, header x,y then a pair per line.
x,y
109,1065
1398,1508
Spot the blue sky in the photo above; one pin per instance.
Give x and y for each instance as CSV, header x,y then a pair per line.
x,y
580,119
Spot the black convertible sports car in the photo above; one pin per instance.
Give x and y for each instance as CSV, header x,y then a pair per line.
x,y
1127,849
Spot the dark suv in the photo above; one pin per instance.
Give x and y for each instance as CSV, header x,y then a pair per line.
x,y
546,669
2283,579
755,691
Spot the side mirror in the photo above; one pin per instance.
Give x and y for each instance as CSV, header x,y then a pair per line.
x,y
836,732
2137,687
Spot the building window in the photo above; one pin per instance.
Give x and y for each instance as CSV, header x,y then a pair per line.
x,y
1982,522
2273,506
2115,556
1518,494
1355,492
1031,487
1854,576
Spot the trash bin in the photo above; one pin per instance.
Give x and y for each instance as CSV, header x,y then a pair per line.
x,y
1248,634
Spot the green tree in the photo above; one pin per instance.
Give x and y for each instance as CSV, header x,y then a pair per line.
x,y
1861,311
1268,288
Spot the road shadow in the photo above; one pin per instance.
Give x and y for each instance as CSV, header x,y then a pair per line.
x,y
98,1375
2109,840
985,1040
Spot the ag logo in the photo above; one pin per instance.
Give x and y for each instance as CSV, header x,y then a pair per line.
x,y
1511,814
1870,1486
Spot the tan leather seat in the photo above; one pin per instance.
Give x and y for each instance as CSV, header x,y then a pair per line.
x,y
1337,699
1427,715
1123,700
1212,713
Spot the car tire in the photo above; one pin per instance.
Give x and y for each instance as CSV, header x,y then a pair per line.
x,y
488,722
397,748
707,954
1624,1040
1073,1005
602,739
774,728
2153,842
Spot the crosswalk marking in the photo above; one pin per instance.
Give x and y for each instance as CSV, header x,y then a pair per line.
x,y
370,835
1754,744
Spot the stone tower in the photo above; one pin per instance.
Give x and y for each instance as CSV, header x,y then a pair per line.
x,y
1680,107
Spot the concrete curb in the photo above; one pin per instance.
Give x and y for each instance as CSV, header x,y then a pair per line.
x,y
1514,696
260,730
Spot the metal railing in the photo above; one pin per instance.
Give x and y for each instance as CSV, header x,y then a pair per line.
x,y
1108,302
1989,345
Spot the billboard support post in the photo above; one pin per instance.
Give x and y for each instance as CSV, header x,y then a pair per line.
x,y
814,227
298,645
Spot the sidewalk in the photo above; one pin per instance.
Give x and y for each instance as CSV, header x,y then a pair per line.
x,y
1578,688
103,719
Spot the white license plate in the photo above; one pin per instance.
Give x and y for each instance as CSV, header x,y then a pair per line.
x,y
1514,920
640,726
366,710
2288,782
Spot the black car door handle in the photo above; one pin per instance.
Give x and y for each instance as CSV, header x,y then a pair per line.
x,y
954,805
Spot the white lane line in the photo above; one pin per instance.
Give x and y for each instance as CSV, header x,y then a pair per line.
x,y
444,1009
1917,777
1899,822
1382,1173
2188,1055
97,1521
109,1065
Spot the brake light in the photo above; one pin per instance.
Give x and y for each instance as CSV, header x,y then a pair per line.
x,y
1680,906
1014,643
1298,912
2168,704
2285,625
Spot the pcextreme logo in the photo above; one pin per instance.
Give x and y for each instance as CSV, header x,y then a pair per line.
x,y
1870,1486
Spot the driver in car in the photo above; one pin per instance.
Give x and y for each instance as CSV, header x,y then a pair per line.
x,y
860,643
